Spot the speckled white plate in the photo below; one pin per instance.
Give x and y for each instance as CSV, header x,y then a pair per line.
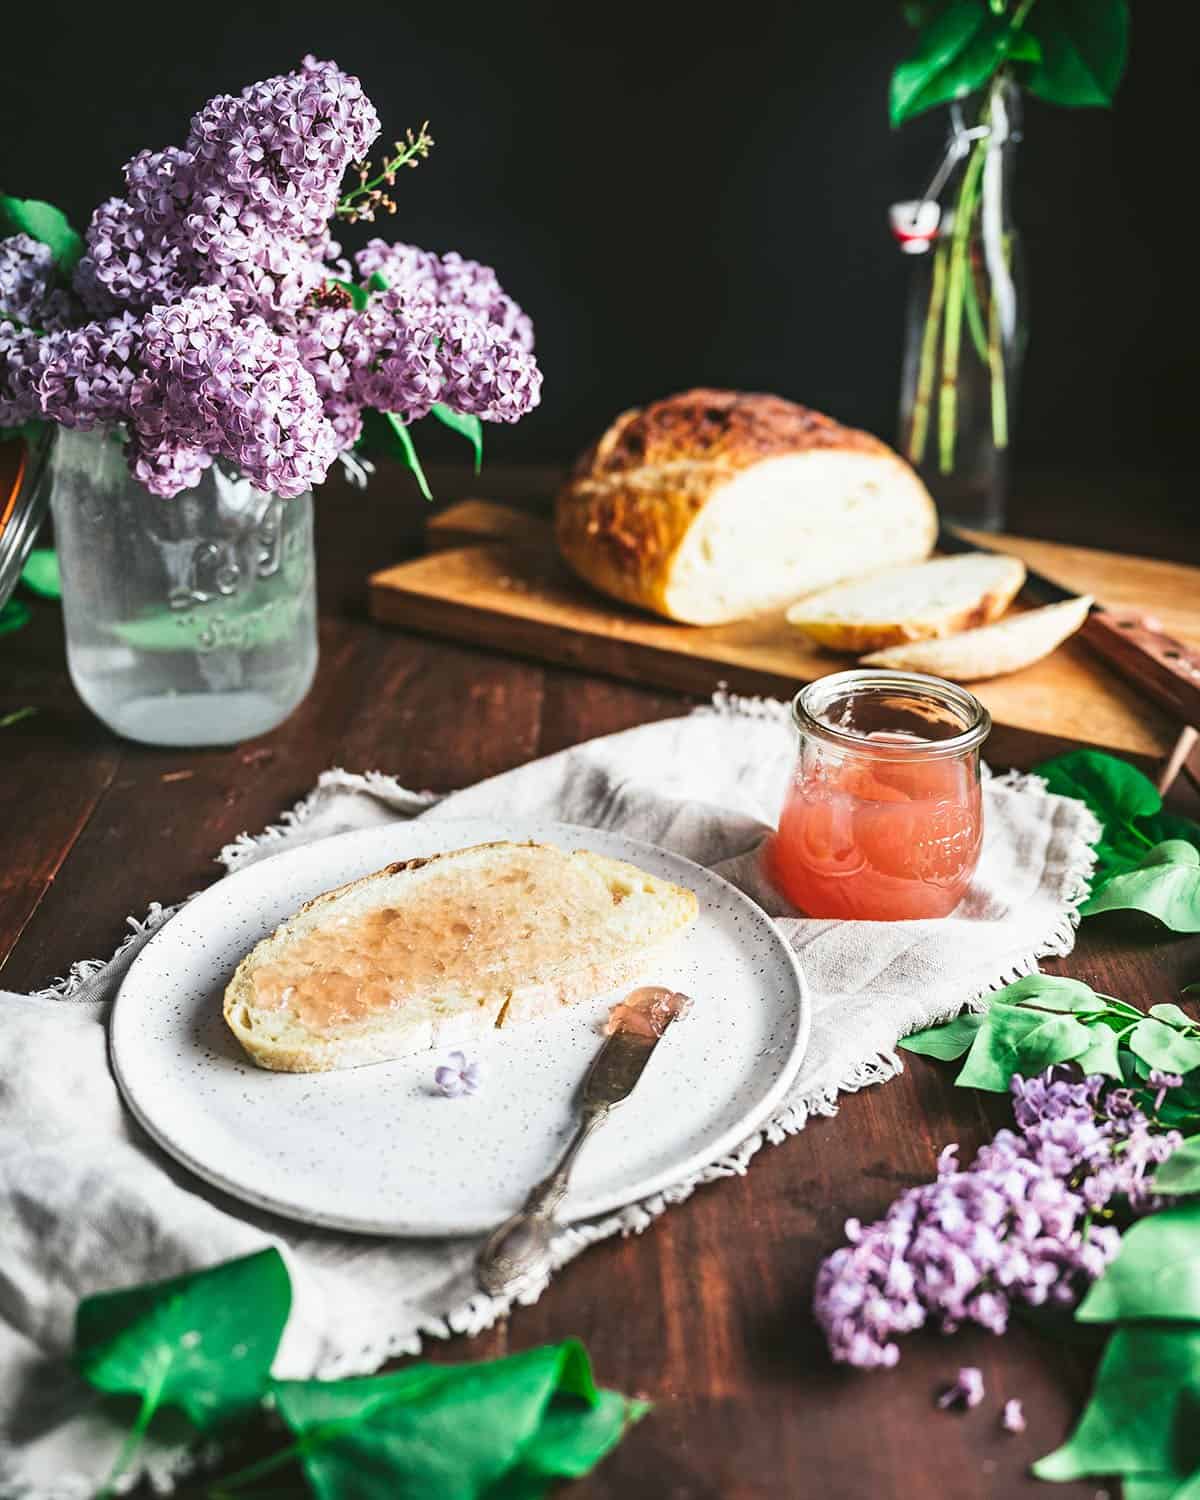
x,y
376,1149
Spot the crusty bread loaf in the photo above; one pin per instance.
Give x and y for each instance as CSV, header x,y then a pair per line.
x,y
437,951
713,505
1015,642
914,603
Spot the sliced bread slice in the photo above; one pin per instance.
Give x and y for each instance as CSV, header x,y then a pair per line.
x,y
439,950
995,649
916,603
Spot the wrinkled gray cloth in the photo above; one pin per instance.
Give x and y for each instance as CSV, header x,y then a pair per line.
x,y
87,1203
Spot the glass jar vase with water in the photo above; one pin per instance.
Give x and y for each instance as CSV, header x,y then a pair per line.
x,y
189,621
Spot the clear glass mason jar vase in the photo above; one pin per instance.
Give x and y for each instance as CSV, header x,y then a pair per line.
x,y
189,621
965,327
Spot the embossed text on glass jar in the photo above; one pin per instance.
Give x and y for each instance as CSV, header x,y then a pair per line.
x,y
189,621
883,818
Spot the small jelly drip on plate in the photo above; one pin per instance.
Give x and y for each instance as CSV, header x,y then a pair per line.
x,y
647,1011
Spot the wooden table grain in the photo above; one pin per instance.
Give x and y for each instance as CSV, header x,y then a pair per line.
x,y
707,1313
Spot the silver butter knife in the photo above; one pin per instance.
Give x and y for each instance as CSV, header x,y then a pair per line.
x,y
517,1254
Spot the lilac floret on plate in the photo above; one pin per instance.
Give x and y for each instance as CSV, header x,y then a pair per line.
x,y
458,1076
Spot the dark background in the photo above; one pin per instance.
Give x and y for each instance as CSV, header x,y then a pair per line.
x,y
682,195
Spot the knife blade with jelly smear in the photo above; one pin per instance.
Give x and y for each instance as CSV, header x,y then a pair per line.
x,y
517,1254
1132,641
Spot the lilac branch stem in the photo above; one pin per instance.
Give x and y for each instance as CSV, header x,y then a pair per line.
x,y
964,214
918,431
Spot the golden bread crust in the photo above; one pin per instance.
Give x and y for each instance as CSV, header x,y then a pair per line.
x,y
623,514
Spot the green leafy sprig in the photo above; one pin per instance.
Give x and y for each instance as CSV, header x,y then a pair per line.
x,y
200,1348
1147,859
1067,52
1043,1020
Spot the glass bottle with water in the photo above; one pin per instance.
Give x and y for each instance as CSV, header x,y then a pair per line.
x,y
189,621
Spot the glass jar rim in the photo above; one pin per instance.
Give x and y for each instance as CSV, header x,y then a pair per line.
x,y
815,696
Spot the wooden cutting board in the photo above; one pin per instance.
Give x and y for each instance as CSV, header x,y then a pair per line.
x,y
492,578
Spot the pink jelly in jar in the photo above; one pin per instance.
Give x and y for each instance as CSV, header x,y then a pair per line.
x,y
883,818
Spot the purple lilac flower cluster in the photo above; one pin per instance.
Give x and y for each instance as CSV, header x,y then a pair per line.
x,y
448,281
216,330
241,205
30,306
28,296
1018,1225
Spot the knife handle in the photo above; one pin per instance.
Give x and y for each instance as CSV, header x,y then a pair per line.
x,y
1157,665
517,1255
544,1199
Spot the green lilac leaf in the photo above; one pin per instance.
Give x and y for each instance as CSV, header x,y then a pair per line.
x,y
1188,1490
409,452
1180,1110
28,432
466,425
1142,858
1116,856
1052,1039
1168,825
957,52
13,616
1053,992
203,1342
1155,1487
40,573
1084,46
506,1429
1156,1273
1024,48
571,1441
1139,1418
1116,1020
1162,1047
1165,885
1119,1007
947,1041
1103,1054
42,221
1113,789
383,432
1020,1041
1173,1015
378,282
1180,1173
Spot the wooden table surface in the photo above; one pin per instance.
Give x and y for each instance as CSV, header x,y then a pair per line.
x,y
707,1313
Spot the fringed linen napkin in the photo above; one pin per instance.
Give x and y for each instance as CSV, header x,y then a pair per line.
x,y
88,1203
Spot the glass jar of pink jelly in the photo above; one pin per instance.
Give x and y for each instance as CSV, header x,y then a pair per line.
x,y
883,818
